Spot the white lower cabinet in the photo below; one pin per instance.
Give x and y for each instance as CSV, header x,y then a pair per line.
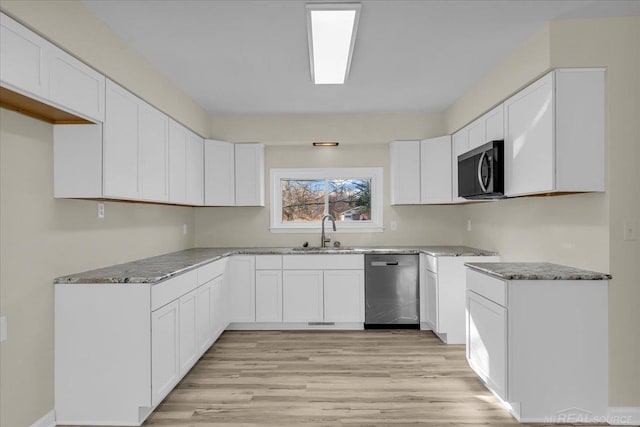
x,y
488,336
442,290
241,278
121,348
332,292
219,304
188,331
540,345
302,296
343,296
268,295
165,350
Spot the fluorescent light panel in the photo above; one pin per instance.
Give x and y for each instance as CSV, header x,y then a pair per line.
x,y
332,34
326,144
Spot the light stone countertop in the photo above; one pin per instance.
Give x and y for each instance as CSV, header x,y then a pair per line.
x,y
162,267
535,271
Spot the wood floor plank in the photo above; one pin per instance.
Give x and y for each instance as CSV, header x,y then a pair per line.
x,y
331,379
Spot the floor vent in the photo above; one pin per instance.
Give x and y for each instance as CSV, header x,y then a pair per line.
x,y
321,323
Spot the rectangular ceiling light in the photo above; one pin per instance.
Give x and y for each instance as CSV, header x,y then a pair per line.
x,y
331,30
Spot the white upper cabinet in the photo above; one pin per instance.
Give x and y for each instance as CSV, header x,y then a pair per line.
x,y
404,158
153,140
32,66
177,163
459,145
219,173
554,134
477,134
194,169
494,124
24,59
435,170
249,174
120,147
76,87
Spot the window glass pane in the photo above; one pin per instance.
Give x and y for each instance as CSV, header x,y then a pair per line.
x,y
302,200
350,199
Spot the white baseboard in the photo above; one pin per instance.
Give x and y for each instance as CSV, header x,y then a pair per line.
x,y
623,415
286,326
48,420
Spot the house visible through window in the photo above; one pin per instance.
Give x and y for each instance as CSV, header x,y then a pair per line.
x,y
301,197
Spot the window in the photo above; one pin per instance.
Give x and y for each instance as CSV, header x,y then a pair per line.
x,y
301,197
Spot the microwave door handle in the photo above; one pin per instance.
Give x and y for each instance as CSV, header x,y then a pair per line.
x,y
482,158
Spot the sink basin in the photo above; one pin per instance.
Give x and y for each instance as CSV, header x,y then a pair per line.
x,y
319,249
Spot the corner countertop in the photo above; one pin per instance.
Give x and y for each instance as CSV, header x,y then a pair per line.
x,y
535,271
162,267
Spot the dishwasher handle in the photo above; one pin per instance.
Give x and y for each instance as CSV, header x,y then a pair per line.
x,y
383,263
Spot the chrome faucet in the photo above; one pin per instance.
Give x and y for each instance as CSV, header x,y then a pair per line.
x,y
323,239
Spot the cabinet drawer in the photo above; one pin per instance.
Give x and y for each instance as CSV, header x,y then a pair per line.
x,y
431,263
323,262
169,290
210,271
268,262
489,287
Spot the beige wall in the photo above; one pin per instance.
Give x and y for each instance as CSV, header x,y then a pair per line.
x,y
43,238
349,129
70,25
582,230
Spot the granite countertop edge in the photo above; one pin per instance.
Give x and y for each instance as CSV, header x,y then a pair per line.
x,y
160,268
535,271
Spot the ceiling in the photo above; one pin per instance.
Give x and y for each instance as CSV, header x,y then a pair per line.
x,y
251,57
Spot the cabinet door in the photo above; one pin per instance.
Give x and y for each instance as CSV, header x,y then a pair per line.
x,y
120,147
344,296
302,296
205,317
188,331
249,174
487,341
218,306
459,145
529,139
219,173
404,157
268,296
153,141
177,163
24,58
195,170
435,170
76,87
165,351
477,133
241,281
494,121
431,299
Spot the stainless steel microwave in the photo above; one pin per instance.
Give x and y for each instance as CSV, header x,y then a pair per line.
x,y
481,172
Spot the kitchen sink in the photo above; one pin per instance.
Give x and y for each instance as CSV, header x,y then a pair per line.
x,y
319,249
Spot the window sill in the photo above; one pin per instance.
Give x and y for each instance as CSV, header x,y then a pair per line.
x,y
316,230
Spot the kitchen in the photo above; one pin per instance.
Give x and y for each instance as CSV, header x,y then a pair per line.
x,y
65,236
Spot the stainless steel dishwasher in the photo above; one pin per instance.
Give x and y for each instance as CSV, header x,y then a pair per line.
x,y
391,291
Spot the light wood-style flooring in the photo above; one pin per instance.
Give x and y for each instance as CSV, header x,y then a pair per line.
x,y
325,378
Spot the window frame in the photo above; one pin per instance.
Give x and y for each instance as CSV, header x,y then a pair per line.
x,y
375,224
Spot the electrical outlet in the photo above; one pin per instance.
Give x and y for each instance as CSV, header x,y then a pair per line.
x,y
630,230
393,225
184,229
3,328
101,210
468,225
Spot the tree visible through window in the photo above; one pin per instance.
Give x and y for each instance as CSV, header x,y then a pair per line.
x,y
308,200
301,196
